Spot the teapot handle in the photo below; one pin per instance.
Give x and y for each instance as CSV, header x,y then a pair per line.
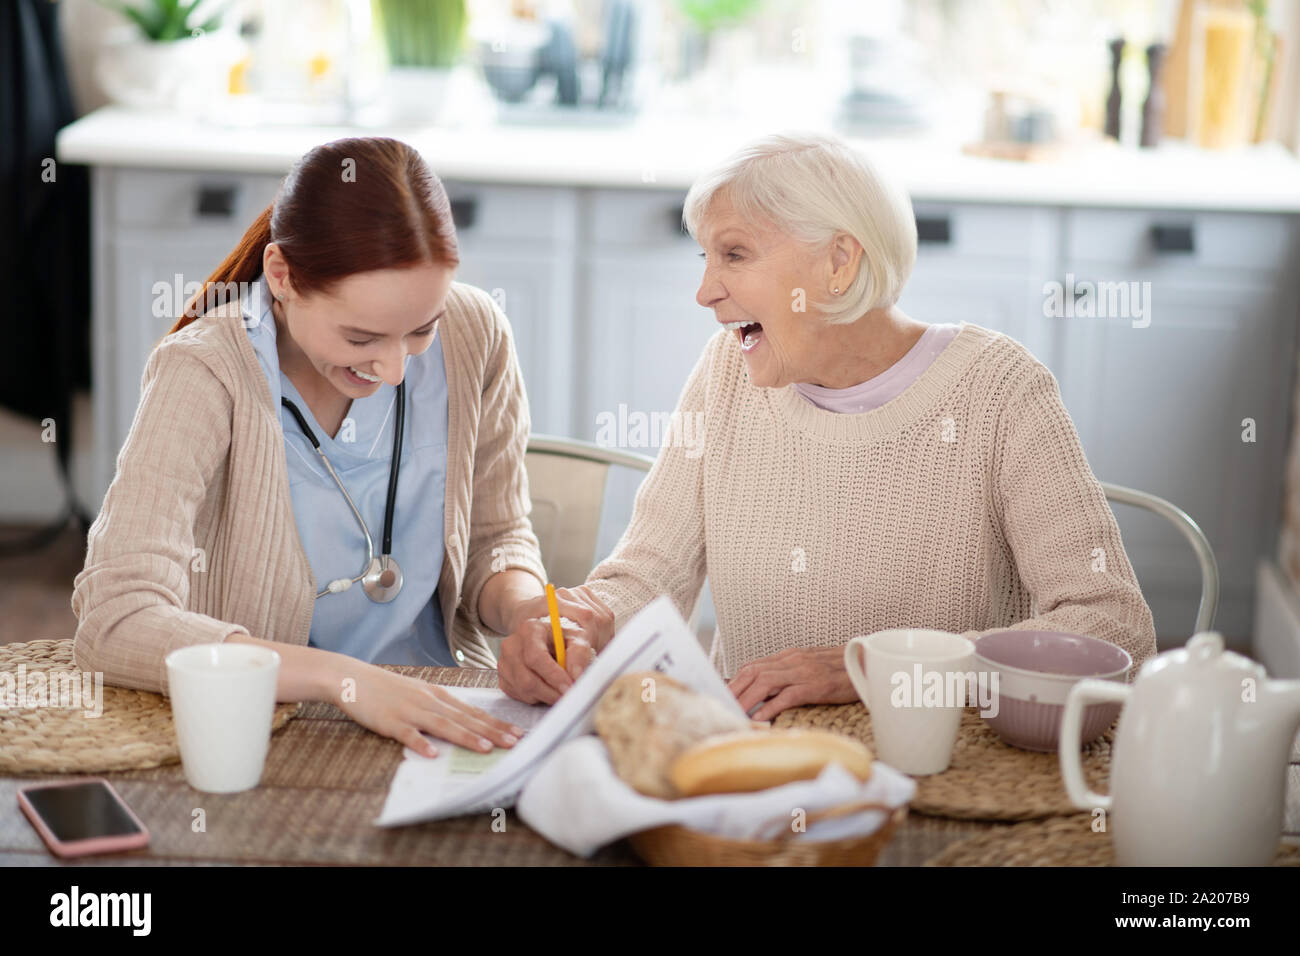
x,y
1081,694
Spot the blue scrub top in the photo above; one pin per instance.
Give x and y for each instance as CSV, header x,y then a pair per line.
x,y
408,629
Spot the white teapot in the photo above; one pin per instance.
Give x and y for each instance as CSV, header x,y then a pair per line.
x,y
1198,767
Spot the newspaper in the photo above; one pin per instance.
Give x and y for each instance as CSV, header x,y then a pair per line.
x,y
460,781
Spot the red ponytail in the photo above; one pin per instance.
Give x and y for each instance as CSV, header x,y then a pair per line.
x,y
244,264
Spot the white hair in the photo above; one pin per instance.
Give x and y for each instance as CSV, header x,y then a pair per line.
x,y
811,186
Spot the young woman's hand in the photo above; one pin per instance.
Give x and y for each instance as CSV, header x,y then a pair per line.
x,y
392,705
526,665
400,707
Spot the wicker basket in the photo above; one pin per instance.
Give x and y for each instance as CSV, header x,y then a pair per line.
x,y
679,846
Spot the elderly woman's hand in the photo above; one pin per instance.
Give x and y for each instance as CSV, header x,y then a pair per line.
x,y
800,675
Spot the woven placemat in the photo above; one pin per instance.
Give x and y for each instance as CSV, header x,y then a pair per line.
x,y
1058,841
987,779
133,732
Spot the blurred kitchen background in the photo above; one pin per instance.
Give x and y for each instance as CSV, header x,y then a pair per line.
x,y
1042,142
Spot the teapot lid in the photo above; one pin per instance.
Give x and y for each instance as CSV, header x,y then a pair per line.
x,y
1205,655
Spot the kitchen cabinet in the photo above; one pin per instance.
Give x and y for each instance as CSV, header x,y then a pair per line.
x,y
599,284
1188,401
642,329
986,265
518,244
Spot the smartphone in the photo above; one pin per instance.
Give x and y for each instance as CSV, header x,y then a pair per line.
x,y
80,817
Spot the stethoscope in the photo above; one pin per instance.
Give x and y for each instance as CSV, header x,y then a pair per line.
x,y
382,578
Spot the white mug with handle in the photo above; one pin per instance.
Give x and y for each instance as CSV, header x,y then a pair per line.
x,y
919,681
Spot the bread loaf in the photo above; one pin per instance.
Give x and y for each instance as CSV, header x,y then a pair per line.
x,y
646,719
756,760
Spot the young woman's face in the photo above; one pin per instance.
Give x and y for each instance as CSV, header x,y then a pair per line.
x,y
359,334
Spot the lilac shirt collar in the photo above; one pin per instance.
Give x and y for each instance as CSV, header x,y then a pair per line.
x,y
890,383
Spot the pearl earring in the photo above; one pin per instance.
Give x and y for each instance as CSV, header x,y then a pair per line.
x,y
836,290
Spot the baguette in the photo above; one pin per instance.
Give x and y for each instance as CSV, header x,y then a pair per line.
x,y
756,760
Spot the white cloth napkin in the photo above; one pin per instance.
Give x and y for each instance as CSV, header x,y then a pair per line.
x,y
577,802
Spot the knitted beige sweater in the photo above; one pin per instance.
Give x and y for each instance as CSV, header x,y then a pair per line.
x,y
197,540
964,504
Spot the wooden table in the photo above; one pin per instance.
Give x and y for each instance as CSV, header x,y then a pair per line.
x,y
325,781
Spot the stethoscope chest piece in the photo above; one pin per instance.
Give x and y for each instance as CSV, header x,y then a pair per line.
x,y
383,579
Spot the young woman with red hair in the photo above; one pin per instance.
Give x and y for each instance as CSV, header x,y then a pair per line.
x,y
328,460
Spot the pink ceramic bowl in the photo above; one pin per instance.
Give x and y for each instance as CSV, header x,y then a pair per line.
x,y
1034,673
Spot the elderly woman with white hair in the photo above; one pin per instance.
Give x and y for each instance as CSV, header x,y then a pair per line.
x,y
861,469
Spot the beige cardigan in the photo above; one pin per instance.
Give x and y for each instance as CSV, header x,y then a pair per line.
x,y
965,504
203,467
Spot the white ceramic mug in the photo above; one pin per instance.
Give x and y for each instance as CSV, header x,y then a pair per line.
x,y
223,703
919,681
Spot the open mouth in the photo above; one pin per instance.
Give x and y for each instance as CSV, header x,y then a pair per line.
x,y
749,333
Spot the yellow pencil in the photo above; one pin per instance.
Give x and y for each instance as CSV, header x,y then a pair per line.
x,y
556,633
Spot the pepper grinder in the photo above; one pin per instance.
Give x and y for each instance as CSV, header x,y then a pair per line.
x,y
1113,101
1153,110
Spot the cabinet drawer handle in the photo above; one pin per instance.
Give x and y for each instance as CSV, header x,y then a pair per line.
x,y
464,212
217,201
1173,238
933,229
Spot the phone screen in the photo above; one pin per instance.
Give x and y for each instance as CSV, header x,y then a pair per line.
x,y
81,811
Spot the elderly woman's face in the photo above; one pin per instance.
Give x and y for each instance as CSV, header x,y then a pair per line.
x,y
754,278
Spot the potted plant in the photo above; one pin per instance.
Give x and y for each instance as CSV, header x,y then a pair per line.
x,y
713,38
715,43
708,15
424,39
168,53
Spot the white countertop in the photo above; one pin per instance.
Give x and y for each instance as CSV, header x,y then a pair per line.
x,y
669,154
